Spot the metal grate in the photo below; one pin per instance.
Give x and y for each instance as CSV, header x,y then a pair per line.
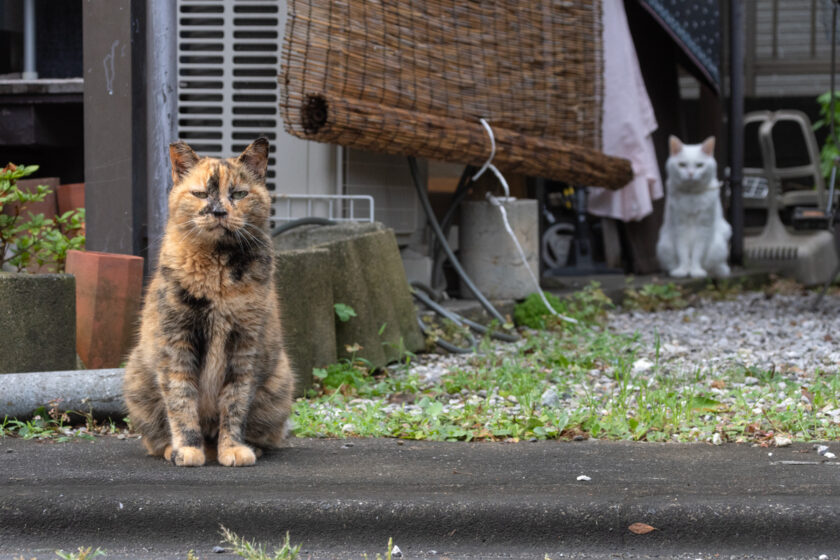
x,y
228,62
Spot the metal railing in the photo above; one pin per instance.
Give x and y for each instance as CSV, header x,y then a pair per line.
x,y
335,207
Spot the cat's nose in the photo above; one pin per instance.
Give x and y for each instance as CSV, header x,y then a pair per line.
x,y
218,210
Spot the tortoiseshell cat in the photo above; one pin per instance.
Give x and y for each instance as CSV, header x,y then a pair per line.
x,y
209,373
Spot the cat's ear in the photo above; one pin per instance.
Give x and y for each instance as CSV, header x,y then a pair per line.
x,y
708,146
255,157
675,145
183,159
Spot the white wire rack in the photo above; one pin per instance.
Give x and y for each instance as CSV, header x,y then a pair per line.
x,y
335,207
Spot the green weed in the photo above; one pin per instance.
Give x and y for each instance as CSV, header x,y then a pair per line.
x,y
81,554
589,306
252,550
344,312
654,297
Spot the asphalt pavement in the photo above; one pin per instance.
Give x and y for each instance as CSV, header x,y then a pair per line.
x,y
344,498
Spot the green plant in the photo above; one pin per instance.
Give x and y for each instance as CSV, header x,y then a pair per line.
x,y
255,551
589,306
17,235
36,239
347,374
81,554
344,312
654,297
830,151
52,424
65,235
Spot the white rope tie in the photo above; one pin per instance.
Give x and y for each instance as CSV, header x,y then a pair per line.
x,y
499,204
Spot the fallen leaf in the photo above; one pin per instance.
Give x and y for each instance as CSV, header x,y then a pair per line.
x,y
808,395
641,528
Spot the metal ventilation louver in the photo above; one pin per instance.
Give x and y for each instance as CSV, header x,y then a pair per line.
x,y
228,62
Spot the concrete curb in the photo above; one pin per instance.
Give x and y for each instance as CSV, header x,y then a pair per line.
x,y
352,496
95,390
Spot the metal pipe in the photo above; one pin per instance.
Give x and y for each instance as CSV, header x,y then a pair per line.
x,y
736,129
30,71
161,114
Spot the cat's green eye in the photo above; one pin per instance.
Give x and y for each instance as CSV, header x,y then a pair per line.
x,y
238,195
682,164
199,194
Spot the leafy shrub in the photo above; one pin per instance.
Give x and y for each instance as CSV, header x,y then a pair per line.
x,y
36,239
830,150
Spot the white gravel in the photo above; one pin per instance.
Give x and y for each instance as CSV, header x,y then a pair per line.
x,y
781,332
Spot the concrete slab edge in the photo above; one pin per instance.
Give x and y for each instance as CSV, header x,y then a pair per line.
x,y
356,521
94,390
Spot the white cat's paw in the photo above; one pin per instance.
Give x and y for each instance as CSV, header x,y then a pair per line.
x,y
679,272
722,271
697,273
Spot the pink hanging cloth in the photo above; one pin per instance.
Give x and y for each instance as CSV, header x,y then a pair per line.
x,y
627,124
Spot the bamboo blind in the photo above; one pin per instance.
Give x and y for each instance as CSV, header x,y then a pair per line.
x,y
415,76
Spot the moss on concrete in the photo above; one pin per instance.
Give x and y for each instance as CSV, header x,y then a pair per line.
x,y
37,322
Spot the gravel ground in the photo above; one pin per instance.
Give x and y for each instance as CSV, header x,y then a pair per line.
x,y
765,330
705,348
779,331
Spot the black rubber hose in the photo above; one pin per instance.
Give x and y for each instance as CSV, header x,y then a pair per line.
x,y
455,318
310,221
423,293
464,186
448,346
430,216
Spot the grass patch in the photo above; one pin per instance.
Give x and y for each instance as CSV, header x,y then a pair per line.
x,y
251,550
572,382
82,554
51,423
654,297
588,306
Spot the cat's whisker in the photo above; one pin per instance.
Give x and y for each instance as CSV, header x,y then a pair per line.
x,y
193,230
254,241
239,240
262,239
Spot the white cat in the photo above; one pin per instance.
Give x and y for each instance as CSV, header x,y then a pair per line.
x,y
694,237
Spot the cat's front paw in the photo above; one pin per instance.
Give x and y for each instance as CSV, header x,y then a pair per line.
x,y
679,272
188,457
697,273
237,456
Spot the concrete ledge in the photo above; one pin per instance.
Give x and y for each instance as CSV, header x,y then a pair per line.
x,y
99,390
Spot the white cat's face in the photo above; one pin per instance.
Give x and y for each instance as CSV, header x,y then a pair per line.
x,y
692,164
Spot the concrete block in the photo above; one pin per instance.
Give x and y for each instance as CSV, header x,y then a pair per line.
x,y
368,275
489,255
37,322
304,288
